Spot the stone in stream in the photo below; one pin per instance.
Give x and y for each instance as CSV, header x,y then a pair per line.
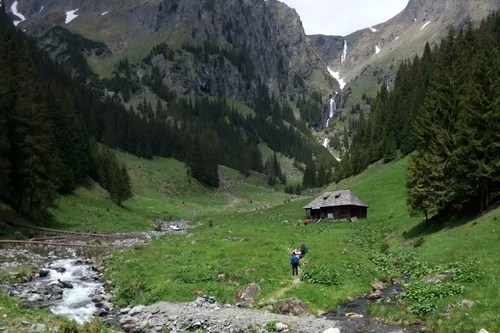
x,y
332,330
136,310
66,285
43,273
97,299
378,286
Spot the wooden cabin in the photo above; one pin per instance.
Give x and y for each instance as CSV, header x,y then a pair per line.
x,y
336,206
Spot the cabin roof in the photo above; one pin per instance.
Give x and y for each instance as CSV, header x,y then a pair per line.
x,y
336,198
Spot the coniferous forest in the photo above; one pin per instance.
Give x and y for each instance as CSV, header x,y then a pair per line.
x,y
444,110
53,127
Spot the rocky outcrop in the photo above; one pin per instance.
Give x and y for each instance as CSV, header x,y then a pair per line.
x,y
245,297
245,40
292,306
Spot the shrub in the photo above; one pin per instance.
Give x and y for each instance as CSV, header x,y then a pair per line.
x,y
423,297
384,247
419,242
271,326
321,275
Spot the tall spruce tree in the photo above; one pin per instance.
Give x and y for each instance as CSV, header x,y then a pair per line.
x,y
35,182
121,189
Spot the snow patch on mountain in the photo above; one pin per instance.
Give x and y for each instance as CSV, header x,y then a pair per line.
x,y
21,17
336,76
377,50
104,13
396,38
40,9
426,24
70,15
373,29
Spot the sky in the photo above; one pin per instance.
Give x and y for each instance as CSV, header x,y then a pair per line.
x,y
342,17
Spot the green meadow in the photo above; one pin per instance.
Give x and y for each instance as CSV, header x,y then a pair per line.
x,y
246,230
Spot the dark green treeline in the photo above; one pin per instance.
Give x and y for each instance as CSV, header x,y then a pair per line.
x,y
444,107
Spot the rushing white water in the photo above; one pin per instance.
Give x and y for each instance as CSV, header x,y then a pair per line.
x,y
76,303
326,142
333,109
13,8
344,52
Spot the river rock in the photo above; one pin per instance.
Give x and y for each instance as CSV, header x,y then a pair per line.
x,y
43,273
292,306
332,330
375,295
97,299
246,295
280,327
57,290
35,298
378,286
136,310
77,272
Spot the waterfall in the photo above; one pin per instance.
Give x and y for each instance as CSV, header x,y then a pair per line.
x,y
333,109
344,52
326,142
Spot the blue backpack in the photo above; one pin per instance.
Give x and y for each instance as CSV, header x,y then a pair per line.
x,y
295,260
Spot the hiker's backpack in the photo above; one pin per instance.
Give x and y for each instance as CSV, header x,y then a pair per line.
x,y
304,249
295,260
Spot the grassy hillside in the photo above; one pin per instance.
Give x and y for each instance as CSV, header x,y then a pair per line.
x,y
344,258
161,189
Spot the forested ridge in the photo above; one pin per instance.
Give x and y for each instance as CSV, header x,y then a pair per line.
x,y
50,119
444,108
45,149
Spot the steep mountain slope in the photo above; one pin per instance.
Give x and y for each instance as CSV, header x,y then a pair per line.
x,y
266,39
399,38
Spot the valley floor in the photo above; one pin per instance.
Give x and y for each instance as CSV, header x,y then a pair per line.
x,y
246,232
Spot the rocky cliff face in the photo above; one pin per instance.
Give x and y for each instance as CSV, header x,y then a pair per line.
x,y
400,37
265,35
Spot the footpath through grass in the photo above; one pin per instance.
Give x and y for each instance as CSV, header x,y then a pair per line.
x,y
344,258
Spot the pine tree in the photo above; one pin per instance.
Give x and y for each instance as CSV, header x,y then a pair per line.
x,y
391,153
121,190
309,179
35,183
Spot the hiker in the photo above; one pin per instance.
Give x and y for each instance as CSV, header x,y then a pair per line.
x,y
303,251
306,221
295,264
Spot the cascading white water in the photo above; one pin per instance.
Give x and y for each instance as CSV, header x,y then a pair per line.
x,y
76,303
344,52
326,142
333,109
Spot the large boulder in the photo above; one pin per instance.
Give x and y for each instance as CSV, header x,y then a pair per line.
x,y
292,306
246,295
